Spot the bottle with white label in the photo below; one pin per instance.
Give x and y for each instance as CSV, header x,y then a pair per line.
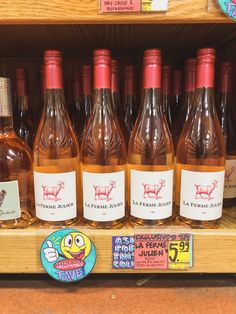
x,y
103,154
16,174
56,153
150,152
227,118
200,153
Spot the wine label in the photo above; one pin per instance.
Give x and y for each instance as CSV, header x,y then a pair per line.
x,y
55,195
9,200
230,178
104,195
201,194
151,194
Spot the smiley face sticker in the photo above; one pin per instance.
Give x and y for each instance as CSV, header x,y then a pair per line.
x,y
68,255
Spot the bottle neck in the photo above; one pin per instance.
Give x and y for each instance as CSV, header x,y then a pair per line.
x,y
152,101
225,83
22,104
53,77
129,86
54,103
103,103
87,86
204,101
205,76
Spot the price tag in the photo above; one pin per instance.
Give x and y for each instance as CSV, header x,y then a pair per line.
x,y
180,254
128,6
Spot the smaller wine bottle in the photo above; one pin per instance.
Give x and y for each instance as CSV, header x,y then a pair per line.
x,y
103,154
189,88
16,175
227,118
166,94
150,154
87,90
24,126
130,100
200,156
177,94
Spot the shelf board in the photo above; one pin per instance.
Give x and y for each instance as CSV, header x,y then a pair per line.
x,y
214,250
66,12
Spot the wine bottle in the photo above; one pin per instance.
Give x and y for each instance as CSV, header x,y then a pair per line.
x,y
189,87
56,152
78,116
24,126
130,101
166,94
115,89
87,90
201,153
177,94
150,154
16,175
103,154
227,118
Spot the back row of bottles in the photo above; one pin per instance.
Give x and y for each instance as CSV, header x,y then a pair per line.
x,y
125,166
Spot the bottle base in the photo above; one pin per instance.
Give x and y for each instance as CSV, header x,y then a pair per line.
x,y
115,224
200,224
148,222
25,221
57,224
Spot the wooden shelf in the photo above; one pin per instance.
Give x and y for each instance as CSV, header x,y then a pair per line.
x,y
214,250
74,11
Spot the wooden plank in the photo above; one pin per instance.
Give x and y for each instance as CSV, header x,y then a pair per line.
x,y
214,250
74,11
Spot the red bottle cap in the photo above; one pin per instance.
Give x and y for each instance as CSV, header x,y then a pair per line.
x,y
53,70
152,68
205,68
177,82
87,79
21,82
129,80
226,77
76,83
102,68
189,75
166,79
114,76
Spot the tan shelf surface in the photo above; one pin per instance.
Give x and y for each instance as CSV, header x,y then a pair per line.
x,y
214,250
74,11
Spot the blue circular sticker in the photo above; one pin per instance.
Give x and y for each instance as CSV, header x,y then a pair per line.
x,y
68,255
228,7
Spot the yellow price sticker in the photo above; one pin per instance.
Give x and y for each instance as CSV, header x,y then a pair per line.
x,y
180,254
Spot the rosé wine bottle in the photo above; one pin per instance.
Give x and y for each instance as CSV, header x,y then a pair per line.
x,y
16,175
227,118
177,91
189,88
166,94
103,155
56,153
150,153
87,90
24,126
200,157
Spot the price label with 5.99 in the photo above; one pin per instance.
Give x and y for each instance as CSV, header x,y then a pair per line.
x,y
180,254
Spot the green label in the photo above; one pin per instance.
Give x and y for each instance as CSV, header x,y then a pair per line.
x,y
9,200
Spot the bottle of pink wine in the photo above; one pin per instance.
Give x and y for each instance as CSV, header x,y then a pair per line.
x,y
103,154
87,89
56,153
227,118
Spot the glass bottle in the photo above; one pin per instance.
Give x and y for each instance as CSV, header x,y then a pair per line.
x,y
103,154
177,94
166,94
24,126
227,118
87,89
56,153
16,175
150,154
189,88
130,101
200,153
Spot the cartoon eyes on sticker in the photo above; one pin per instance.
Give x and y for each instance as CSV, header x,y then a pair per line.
x,y
79,240
68,240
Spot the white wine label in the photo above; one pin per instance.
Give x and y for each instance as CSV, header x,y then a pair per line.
x,y
151,194
9,200
104,195
201,194
230,179
55,195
